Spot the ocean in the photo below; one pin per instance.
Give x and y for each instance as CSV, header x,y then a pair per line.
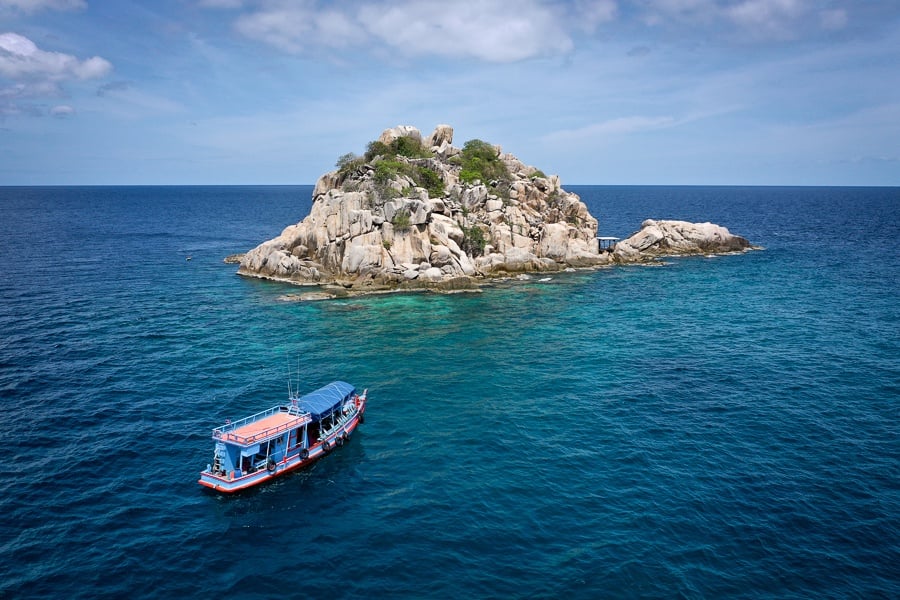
x,y
723,427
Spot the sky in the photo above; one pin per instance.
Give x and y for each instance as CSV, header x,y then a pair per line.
x,y
612,92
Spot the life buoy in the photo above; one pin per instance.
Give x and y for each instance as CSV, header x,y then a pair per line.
x,y
270,465
326,447
304,454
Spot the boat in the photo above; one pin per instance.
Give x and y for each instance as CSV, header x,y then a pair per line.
x,y
283,438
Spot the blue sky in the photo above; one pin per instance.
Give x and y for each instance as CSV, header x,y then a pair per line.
x,y
755,92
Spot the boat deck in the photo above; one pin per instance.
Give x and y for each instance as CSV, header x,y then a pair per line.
x,y
270,426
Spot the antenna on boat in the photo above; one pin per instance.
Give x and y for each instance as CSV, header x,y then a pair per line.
x,y
294,391
290,391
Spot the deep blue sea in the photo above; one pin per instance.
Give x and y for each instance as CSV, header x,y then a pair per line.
x,y
722,427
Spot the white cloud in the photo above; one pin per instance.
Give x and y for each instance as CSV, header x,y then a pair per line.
x,y
31,6
335,28
754,19
625,126
20,58
489,30
774,17
62,111
126,101
221,3
590,13
619,126
93,68
298,26
833,19
661,12
763,11
36,73
504,31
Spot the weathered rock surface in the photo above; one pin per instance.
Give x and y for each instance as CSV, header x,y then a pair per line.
x,y
374,225
672,238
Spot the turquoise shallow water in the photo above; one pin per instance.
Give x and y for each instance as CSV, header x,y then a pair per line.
x,y
714,427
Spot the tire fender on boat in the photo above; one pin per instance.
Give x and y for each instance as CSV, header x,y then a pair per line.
x,y
304,454
339,441
326,447
270,465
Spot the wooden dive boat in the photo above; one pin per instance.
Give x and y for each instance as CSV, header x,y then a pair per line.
x,y
289,436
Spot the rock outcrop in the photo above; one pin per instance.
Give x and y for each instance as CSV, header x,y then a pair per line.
x,y
417,212
673,238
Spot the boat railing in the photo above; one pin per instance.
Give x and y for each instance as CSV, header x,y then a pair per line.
x,y
227,433
340,423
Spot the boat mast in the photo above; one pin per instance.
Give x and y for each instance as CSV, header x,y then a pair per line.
x,y
290,392
294,391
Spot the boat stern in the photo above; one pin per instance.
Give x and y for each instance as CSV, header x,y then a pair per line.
x,y
229,483
216,482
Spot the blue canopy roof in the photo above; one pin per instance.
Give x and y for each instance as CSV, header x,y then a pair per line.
x,y
324,400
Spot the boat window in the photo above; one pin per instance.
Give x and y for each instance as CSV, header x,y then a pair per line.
x,y
266,449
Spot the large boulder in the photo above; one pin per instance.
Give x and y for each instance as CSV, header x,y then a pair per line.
x,y
389,135
442,134
668,238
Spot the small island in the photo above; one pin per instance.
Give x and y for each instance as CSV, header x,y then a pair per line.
x,y
416,212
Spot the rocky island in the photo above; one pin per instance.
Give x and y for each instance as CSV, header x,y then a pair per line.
x,y
417,212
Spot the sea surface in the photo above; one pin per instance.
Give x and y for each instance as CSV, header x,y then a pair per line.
x,y
723,427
